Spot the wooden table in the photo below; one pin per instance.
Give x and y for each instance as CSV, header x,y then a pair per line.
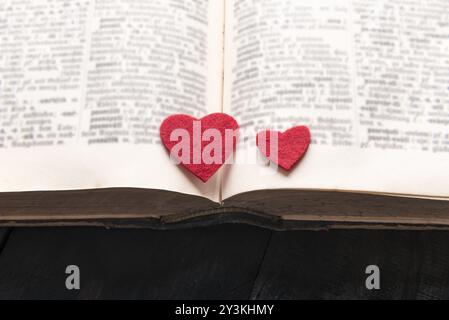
x,y
223,262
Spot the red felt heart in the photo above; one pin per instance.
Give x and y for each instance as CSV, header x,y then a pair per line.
x,y
200,145
291,145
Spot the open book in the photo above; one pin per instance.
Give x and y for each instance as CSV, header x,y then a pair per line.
x,y
85,84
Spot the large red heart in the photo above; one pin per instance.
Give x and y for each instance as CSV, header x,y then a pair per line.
x,y
291,145
196,141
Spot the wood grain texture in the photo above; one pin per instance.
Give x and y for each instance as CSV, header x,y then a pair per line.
x,y
4,232
224,262
331,265
215,262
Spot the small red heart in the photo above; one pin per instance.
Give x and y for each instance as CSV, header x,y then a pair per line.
x,y
197,152
291,145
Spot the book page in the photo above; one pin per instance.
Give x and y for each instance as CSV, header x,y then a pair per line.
x,y
368,77
85,84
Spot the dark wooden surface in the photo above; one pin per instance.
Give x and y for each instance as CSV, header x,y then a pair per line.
x,y
222,262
